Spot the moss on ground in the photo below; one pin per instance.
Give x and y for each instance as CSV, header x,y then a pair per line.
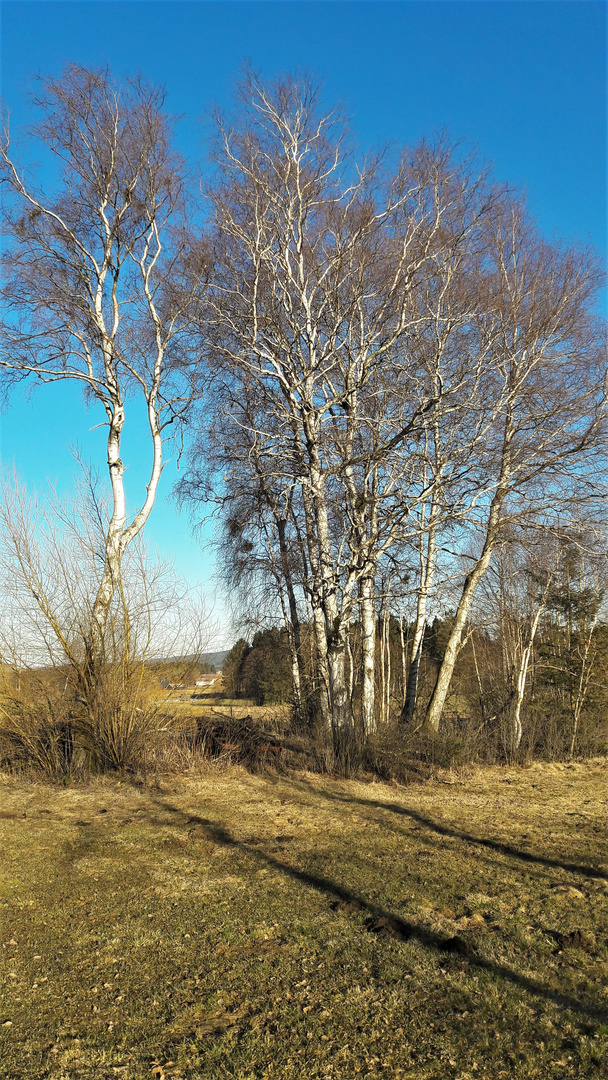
x,y
277,927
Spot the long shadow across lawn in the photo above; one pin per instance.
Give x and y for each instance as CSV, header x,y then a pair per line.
x,y
403,929
447,830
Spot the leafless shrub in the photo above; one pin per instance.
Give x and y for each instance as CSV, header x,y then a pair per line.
x,y
34,723
53,715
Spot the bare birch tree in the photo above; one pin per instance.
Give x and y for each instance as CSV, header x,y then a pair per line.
x,y
101,283
550,390
517,588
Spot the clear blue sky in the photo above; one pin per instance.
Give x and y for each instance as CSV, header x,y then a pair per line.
x,y
523,81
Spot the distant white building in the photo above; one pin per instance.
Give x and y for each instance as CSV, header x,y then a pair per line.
x,y
207,680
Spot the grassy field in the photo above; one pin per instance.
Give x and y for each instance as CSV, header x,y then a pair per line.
x,y
245,926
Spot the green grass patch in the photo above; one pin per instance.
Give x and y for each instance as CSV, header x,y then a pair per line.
x,y
276,927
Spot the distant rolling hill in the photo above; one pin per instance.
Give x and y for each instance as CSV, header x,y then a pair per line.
x,y
215,658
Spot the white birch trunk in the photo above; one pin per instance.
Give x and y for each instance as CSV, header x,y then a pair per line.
x,y
112,554
427,574
351,670
444,678
583,686
403,663
411,689
368,655
522,675
387,625
334,618
318,617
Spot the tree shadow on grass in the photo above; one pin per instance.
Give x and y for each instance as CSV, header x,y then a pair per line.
x,y
447,830
402,928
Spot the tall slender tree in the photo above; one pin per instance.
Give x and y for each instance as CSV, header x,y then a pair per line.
x,y
549,364
101,282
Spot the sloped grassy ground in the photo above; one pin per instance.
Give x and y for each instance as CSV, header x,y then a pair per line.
x,y
276,927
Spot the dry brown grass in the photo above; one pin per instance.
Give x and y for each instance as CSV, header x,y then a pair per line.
x,y
283,927
209,705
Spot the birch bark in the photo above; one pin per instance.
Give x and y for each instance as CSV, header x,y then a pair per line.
x,y
99,286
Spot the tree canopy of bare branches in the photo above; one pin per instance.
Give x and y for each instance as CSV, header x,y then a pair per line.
x,y
101,281
402,364
386,369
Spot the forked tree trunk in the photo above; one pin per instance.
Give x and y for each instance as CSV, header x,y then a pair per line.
x,y
583,686
522,674
518,697
119,535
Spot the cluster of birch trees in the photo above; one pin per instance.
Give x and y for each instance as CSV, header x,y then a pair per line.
x,y
405,372
383,371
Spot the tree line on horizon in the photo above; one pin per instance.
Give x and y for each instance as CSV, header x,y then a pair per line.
x,y
390,389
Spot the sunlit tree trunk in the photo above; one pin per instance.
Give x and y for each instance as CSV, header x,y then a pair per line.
x,y
368,654
446,670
